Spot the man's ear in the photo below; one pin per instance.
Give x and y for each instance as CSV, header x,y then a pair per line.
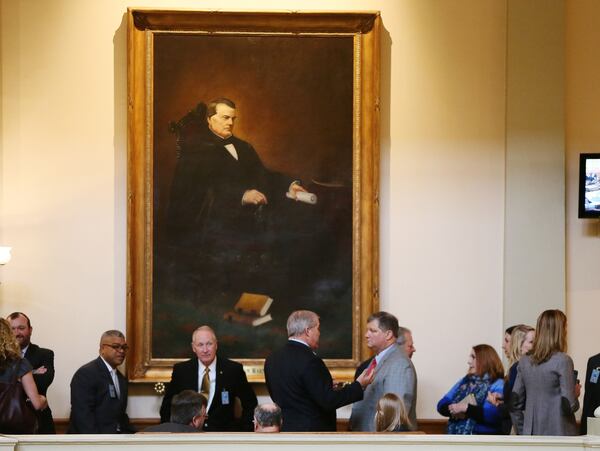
x,y
198,420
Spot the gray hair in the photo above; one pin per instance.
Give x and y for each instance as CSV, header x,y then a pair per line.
x,y
267,415
205,328
402,331
299,321
186,405
111,333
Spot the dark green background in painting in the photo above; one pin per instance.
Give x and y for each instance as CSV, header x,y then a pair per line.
x,y
294,97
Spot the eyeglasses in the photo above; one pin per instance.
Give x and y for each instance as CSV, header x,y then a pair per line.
x,y
117,347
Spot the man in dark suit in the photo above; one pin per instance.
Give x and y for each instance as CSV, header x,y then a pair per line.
x,y
300,383
99,391
219,379
42,361
188,412
218,185
591,398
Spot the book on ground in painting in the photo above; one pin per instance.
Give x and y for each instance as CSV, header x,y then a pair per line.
x,y
251,320
253,304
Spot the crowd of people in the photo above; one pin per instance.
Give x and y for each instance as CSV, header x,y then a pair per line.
x,y
538,395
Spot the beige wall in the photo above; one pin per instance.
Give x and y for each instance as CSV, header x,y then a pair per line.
x,y
582,105
443,177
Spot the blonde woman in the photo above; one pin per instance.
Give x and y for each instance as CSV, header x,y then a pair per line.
x,y
391,415
11,363
520,343
545,386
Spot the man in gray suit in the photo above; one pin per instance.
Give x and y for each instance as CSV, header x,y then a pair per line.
x,y
394,373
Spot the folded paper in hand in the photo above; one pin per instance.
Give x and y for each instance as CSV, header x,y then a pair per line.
x,y
301,196
469,399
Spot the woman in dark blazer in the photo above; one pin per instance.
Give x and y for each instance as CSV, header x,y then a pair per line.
x,y
520,343
545,387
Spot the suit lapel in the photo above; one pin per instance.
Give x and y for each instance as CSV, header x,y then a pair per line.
x,y
109,380
194,374
30,353
216,401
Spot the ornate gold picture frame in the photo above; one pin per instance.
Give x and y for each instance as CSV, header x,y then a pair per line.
x,y
306,93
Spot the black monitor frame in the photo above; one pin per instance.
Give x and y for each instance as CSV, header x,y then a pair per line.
x,y
583,159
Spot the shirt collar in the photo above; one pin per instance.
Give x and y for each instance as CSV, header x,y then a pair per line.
x,y
110,368
212,367
298,340
383,353
24,350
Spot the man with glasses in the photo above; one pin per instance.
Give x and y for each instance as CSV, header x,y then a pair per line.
x,y
99,391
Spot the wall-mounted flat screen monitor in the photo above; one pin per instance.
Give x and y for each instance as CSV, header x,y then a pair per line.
x,y
589,185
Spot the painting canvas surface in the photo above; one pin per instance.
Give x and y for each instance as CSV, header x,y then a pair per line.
x,y
294,105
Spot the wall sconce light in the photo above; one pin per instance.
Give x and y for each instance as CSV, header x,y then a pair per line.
x,y
4,255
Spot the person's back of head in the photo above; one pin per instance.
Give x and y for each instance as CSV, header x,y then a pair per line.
x,y
189,408
267,418
9,348
299,321
390,414
550,336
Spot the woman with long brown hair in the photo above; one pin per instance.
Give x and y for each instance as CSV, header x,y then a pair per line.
x,y
12,363
545,387
467,402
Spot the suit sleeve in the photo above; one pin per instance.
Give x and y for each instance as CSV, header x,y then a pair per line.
x,y
517,402
587,398
248,400
43,381
403,382
318,383
126,426
83,403
569,403
172,390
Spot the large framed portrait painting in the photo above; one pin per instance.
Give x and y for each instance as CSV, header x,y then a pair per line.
x,y
253,182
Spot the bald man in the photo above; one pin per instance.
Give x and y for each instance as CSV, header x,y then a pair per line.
x,y
219,379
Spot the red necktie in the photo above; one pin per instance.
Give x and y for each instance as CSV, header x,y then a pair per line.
x,y
372,365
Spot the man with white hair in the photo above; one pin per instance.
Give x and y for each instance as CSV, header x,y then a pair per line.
x,y
406,342
300,383
219,379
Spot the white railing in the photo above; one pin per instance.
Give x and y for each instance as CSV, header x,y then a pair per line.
x,y
291,442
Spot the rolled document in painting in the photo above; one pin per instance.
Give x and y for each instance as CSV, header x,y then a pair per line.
x,y
301,196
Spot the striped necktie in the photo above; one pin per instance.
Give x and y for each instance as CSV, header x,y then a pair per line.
x,y
205,387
